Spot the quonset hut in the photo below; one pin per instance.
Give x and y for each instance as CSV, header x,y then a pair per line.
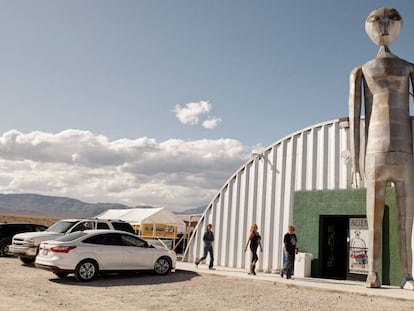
x,y
303,179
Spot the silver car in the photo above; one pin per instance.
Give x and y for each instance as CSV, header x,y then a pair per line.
x,y
90,252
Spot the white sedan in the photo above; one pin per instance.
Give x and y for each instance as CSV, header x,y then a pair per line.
x,y
87,253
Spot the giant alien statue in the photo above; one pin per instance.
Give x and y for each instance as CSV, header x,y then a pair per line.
x,y
385,84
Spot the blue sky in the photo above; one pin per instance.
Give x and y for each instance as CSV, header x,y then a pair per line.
x,y
114,95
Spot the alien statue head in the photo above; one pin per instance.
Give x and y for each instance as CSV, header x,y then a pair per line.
x,y
383,26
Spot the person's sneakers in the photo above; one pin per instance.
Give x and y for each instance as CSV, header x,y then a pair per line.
x,y
212,268
281,274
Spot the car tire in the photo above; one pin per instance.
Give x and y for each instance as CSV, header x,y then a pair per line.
x,y
86,270
162,266
61,274
28,260
4,249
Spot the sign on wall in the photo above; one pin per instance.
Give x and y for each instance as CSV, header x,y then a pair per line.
x,y
358,246
156,230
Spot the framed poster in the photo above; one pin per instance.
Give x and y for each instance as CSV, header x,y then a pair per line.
x,y
358,246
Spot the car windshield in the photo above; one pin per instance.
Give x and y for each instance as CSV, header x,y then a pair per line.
x,y
71,236
61,226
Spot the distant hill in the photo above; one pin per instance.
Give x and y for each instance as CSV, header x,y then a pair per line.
x,y
37,205
198,210
50,206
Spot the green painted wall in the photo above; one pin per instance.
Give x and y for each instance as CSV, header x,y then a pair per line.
x,y
308,206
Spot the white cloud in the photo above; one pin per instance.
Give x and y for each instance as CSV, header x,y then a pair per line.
x,y
175,174
191,113
211,123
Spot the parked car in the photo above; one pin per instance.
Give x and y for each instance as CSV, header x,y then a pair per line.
x,y
90,252
26,245
9,229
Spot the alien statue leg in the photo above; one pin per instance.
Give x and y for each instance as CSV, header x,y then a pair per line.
x,y
375,183
375,212
405,205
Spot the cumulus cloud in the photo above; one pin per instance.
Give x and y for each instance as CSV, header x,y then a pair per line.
x,y
176,174
211,123
191,113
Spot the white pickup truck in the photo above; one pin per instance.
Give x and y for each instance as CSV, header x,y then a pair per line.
x,y
26,245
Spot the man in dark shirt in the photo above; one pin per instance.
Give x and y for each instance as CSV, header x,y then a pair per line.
x,y
208,239
290,248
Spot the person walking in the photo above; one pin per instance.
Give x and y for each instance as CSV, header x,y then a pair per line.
x,y
255,240
290,248
208,239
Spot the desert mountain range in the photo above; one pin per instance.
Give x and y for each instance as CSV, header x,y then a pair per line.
x,y
59,207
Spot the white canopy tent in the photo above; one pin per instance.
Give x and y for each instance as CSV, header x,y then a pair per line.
x,y
139,216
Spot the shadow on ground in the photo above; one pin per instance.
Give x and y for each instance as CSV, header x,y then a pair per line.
x,y
129,278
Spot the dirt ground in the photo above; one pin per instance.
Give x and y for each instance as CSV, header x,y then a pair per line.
x,y
19,218
28,288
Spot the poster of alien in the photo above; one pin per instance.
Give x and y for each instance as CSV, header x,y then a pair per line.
x,y
358,246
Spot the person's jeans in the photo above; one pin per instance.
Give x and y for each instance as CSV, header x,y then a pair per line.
x,y
255,258
289,265
207,249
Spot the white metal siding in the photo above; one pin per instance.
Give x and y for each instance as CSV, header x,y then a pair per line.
x,y
261,192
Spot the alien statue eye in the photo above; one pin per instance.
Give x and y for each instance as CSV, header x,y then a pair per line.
x,y
372,19
394,17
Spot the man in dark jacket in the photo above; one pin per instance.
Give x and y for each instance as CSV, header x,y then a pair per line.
x,y
208,239
290,247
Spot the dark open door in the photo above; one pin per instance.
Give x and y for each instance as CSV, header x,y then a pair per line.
x,y
333,248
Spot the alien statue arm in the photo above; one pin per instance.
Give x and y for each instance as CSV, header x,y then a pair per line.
x,y
355,85
412,80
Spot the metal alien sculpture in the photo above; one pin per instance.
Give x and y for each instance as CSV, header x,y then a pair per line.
x,y
385,84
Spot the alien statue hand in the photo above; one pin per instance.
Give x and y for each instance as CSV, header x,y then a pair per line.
x,y
356,179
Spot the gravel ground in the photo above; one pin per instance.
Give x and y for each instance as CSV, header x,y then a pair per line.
x,y
27,288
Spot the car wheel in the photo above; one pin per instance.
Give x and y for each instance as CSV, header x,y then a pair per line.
x,y
61,274
4,249
86,270
28,260
162,266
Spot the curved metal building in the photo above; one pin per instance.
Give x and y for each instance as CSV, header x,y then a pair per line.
x,y
262,190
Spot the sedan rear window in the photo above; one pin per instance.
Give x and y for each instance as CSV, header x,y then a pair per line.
x,y
128,240
113,239
71,236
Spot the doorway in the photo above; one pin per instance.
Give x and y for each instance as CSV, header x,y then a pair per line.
x,y
341,255
333,246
